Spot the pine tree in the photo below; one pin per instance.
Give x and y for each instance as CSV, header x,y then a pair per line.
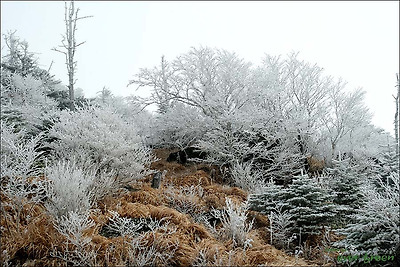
x,y
345,185
389,165
376,226
308,205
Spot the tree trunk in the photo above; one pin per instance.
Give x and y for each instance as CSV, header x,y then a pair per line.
x,y
70,45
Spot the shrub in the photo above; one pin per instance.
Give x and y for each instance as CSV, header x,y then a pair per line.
x,y
72,226
24,100
186,199
375,227
104,139
234,226
19,158
281,221
18,153
244,176
142,250
69,189
180,126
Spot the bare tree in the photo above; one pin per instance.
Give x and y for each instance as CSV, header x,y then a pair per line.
x,y
69,45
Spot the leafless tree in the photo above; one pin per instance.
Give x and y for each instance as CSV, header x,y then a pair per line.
x,y
69,46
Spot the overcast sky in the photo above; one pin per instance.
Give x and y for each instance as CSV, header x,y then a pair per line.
x,y
358,41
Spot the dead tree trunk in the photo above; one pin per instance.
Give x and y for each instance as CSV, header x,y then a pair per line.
x,y
69,45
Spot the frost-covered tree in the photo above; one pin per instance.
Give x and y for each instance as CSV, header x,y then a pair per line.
x,y
376,226
295,110
312,205
309,206
345,185
294,91
26,90
19,60
161,79
179,126
214,81
346,112
24,101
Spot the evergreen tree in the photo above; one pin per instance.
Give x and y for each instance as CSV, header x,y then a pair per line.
x,y
21,64
19,60
308,205
345,185
376,226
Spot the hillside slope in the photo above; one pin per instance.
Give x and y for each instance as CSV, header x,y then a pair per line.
x,y
181,208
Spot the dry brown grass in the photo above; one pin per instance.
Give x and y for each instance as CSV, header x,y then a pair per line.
x,y
315,165
30,238
29,235
215,194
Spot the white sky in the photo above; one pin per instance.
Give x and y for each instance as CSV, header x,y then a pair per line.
x,y
355,40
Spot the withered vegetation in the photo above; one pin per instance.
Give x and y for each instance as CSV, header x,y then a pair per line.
x,y
176,227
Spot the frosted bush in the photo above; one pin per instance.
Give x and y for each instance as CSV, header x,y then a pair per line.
x,y
72,226
372,231
19,166
18,153
234,225
141,255
180,126
186,199
69,189
106,140
133,227
135,231
105,183
243,175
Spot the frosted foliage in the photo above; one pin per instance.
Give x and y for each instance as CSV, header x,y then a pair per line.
x,y
376,226
27,95
69,190
18,153
25,90
281,222
233,219
108,142
72,227
245,177
178,126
